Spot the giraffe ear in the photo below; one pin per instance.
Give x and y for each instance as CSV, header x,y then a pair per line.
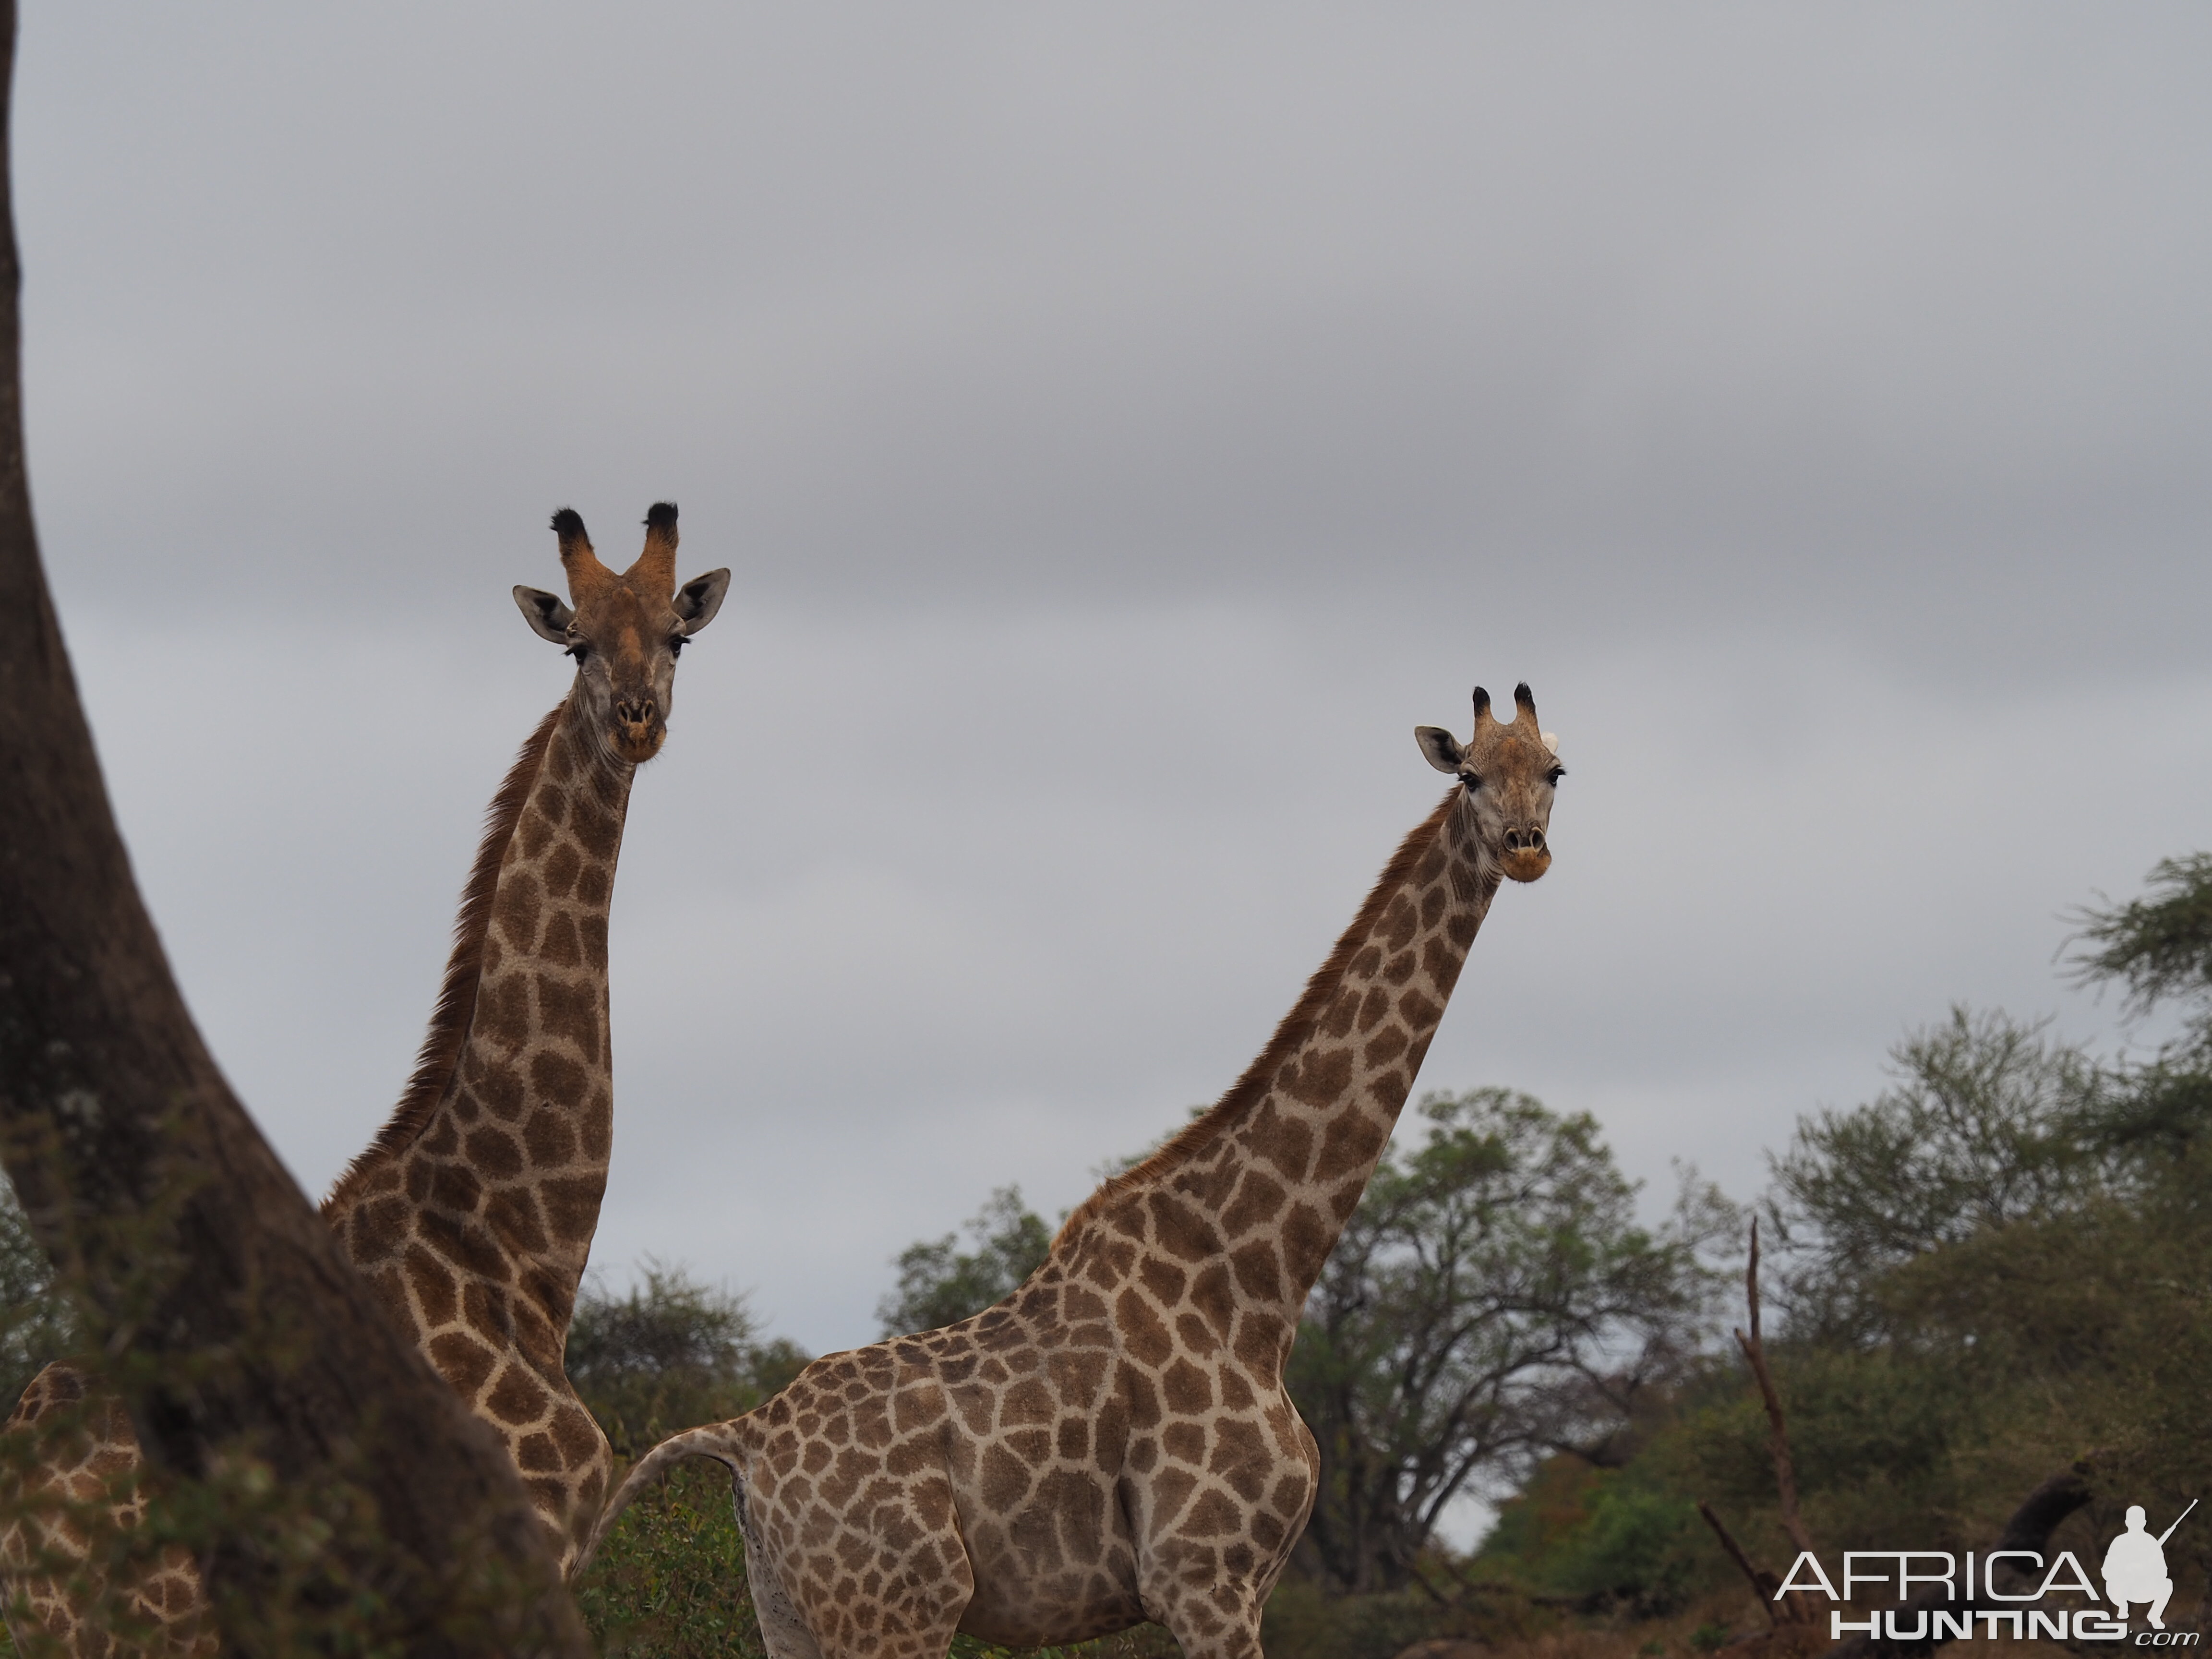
x,y
698,599
548,617
1440,746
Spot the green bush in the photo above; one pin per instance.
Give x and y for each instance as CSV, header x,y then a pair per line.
x,y
36,1323
670,1354
939,1284
670,1582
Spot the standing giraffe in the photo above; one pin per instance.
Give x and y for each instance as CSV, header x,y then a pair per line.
x,y
472,1212
1113,1442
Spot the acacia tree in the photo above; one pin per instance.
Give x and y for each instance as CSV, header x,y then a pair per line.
x,y
252,1358
1491,1299
1989,1122
2157,949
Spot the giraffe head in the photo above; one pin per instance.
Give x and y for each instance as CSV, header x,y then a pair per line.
x,y
625,630
1507,772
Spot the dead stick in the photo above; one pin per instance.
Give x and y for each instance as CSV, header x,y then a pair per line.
x,y
1764,1583
1785,1468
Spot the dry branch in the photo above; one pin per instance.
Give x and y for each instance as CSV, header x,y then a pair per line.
x,y
1793,1608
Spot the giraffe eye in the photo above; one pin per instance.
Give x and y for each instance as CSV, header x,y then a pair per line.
x,y
676,645
1553,776
1470,780
579,650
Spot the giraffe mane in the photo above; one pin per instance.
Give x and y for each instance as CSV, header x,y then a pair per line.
x,y
1246,1092
457,995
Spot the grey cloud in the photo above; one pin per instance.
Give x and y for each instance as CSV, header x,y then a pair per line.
x,y
1125,425
1700,314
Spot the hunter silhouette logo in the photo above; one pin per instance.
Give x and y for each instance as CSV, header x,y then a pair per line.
x,y
2004,1592
2134,1567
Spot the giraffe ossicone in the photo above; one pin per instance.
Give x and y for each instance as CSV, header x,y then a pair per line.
x,y
472,1212
1113,1442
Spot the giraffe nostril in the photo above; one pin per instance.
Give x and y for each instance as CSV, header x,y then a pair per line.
x,y
1536,840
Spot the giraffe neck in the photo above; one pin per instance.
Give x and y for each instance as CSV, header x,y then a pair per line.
x,y
505,1127
1253,1195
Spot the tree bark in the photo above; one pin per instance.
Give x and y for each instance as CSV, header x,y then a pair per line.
x,y
241,1335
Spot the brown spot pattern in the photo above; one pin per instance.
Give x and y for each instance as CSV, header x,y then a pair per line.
x,y
1114,1442
500,1172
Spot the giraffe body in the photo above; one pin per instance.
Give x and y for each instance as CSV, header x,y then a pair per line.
x,y
86,1471
472,1213
1114,1442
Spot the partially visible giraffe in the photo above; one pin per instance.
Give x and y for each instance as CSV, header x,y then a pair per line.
x,y
1113,1442
472,1212
82,1477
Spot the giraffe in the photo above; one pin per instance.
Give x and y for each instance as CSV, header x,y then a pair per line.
x,y
83,1467
1113,1442
472,1213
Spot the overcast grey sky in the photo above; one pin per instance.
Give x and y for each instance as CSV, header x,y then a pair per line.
x,y
1125,425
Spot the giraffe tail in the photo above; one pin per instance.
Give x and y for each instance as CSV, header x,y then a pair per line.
x,y
720,1441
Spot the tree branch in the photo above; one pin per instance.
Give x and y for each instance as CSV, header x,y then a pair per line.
x,y
1754,1350
1767,1586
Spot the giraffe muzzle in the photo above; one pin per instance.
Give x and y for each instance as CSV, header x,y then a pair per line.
x,y
639,728
1526,856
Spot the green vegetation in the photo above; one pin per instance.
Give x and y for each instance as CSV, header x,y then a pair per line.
x,y
939,1284
1999,1265
1492,1298
36,1320
670,1354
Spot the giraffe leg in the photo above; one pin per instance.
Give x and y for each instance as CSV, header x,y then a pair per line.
x,y
1223,1623
1209,1605
783,1632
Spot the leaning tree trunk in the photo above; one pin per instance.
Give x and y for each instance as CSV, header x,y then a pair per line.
x,y
250,1356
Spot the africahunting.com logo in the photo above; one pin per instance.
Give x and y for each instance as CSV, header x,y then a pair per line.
x,y
2134,1574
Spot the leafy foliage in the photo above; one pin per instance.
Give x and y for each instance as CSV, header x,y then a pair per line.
x,y
670,1354
2158,946
1493,1298
2002,1261
37,1324
940,1284
1598,1540
670,1580
1986,1126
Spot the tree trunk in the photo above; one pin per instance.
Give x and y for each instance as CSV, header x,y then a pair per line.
x,y
245,1345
